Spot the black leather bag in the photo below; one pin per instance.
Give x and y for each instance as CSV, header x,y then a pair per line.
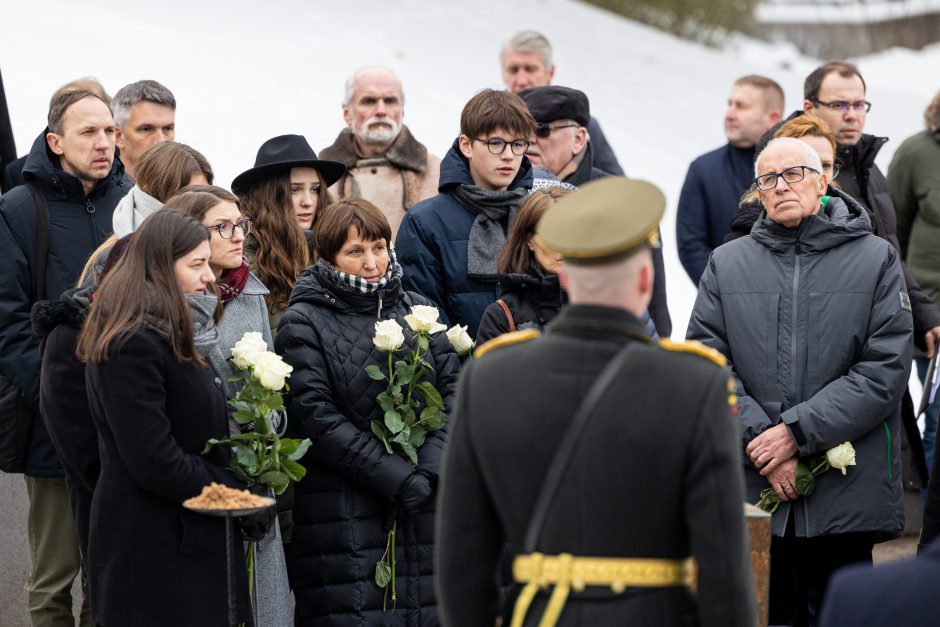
x,y
16,417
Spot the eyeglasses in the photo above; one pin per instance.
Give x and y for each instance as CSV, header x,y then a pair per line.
x,y
843,106
496,145
833,169
766,182
544,130
227,229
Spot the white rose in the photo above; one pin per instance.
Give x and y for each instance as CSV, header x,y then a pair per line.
x,y
460,339
247,349
424,319
841,456
271,370
389,336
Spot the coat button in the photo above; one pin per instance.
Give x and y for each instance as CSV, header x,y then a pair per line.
x,y
218,383
375,170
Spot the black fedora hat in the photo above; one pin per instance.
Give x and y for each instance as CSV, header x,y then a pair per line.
x,y
283,153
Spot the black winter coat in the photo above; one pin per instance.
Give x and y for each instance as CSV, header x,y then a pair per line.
x,y
78,223
150,560
533,299
345,505
63,400
861,179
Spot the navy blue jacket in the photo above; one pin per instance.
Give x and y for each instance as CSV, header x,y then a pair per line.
x,y
901,593
432,247
77,226
708,201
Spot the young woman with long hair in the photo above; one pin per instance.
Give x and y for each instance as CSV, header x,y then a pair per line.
x,y
283,195
155,402
242,297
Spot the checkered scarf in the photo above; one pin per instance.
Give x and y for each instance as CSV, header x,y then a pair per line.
x,y
355,283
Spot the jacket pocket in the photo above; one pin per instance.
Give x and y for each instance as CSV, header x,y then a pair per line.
x,y
838,325
753,345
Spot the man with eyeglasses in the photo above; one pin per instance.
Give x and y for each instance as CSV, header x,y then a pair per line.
x,y
716,180
836,92
447,245
813,315
561,145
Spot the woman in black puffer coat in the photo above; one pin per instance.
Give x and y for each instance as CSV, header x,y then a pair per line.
x,y
354,489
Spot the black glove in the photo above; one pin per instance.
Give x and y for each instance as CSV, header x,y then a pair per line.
x,y
255,526
414,493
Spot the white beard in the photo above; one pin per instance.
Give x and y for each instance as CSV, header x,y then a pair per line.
x,y
383,133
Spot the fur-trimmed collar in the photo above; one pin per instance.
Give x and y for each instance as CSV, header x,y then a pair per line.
x,y
71,309
406,152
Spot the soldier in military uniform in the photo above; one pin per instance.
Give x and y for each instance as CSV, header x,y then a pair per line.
x,y
607,461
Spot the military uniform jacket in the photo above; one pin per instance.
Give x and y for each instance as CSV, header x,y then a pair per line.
x,y
656,474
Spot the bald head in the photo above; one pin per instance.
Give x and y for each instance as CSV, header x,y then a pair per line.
x,y
373,109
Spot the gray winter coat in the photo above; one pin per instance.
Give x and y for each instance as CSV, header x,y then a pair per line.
x,y
815,322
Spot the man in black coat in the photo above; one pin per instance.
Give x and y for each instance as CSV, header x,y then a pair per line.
x,y
73,168
649,478
836,92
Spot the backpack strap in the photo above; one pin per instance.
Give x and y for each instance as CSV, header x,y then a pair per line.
x,y
42,243
505,307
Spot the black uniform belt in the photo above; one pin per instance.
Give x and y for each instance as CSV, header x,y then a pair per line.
x,y
566,572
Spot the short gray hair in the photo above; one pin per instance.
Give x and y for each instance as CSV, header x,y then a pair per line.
x,y
129,95
529,41
351,82
810,156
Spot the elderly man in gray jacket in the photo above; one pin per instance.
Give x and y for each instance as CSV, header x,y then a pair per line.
x,y
812,313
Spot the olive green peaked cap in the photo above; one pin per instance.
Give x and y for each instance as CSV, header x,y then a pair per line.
x,y
604,220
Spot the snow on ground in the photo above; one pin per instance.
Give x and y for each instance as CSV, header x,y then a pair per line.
x,y
244,71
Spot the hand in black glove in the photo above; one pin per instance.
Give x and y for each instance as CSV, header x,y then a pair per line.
x,y
415,492
255,526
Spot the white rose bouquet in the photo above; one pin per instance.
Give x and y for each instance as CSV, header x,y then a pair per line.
x,y
261,457
405,422
839,457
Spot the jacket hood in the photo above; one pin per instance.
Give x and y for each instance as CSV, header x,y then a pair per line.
x,y
455,170
44,169
842,219
316,287
71,309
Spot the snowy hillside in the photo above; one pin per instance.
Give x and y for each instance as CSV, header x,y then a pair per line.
x,y
244,71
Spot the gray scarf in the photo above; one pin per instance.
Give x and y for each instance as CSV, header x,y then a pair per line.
x,y
205,333
495,213
132,210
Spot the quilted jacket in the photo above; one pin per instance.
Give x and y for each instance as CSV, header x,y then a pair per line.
x,y
345,505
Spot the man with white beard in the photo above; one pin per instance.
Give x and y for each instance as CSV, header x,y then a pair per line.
x,y
385,164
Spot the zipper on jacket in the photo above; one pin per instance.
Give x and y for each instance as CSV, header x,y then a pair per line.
x,y
379,314
794,311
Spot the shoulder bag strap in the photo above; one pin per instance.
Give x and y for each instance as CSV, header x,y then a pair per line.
x,y
42,243
569,443
505,307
